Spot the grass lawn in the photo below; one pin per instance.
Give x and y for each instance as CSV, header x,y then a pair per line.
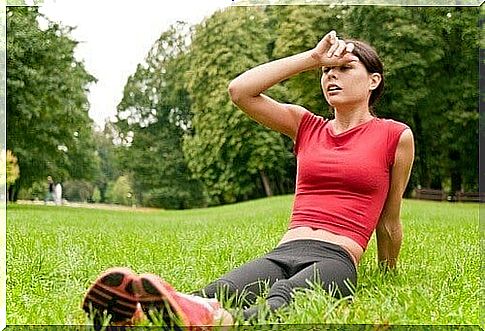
x,y
54,253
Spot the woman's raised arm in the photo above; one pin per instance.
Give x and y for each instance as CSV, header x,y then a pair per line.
x,y
246,90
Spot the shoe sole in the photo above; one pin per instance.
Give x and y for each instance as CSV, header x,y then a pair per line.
x,y
156,300
112,293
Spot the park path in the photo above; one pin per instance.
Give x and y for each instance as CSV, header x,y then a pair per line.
x,y
89,205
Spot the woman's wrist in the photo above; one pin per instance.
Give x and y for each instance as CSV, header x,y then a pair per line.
x,y
309,59
259,79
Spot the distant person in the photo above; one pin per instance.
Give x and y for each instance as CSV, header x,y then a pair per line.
x,y
58,194
50,195
352,171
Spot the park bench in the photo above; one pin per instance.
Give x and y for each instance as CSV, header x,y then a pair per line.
x,y
470,197
430,194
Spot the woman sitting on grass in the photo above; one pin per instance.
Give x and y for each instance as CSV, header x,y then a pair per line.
x,y
351,174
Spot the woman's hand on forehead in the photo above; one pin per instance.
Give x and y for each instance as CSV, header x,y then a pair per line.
x,y
332,51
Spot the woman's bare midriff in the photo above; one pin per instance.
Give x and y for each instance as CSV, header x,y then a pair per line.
x,y
303,232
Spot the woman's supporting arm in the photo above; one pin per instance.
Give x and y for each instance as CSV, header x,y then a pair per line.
x,y
389,230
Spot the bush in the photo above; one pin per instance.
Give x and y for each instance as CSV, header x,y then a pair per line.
x,y
12,168
78,190
37,191
96,195
172,198
120,191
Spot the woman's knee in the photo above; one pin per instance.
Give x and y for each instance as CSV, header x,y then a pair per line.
x,y
219,288
341,288
339,281
281,293
228,292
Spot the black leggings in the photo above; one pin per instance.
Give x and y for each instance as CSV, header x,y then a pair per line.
x,y
290,266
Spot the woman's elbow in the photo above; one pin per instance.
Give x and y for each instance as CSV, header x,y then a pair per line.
x,y
390,230
234,91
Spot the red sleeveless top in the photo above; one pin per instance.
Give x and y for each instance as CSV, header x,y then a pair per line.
x,y
343,179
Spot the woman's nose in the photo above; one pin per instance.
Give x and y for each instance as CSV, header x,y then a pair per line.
x,y
331,73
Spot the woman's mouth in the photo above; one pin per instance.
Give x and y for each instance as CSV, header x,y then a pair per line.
x,y
333,88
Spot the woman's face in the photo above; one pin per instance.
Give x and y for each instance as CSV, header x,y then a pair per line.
x,y
348,85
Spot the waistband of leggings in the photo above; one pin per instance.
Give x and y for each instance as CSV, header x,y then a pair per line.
x,y
339,250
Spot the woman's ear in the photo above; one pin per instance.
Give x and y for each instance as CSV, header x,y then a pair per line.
x,y
375,80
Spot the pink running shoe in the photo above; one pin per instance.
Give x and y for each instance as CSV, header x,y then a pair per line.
x,y
112,293
178,311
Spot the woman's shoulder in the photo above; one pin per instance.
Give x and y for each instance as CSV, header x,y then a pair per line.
x,y
310,125
311,115
392,123
310,120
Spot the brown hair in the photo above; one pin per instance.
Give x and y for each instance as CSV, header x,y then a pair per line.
x,y
369,58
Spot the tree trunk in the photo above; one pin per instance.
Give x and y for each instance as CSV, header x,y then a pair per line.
x,y
455,182
423,172
12,193
265,180
456,178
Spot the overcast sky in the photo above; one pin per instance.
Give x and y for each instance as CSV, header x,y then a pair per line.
x,y
115,36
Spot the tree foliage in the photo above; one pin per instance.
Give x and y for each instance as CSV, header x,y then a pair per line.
x,y
109,164
233,156
12,168
48,127
152,117
121,191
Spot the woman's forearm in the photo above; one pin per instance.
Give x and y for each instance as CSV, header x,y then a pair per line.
x,y
255,81
389,244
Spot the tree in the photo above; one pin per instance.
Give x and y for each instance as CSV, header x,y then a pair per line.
x,y
48,127
233,156
12,168
109,163
456,95
152,118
